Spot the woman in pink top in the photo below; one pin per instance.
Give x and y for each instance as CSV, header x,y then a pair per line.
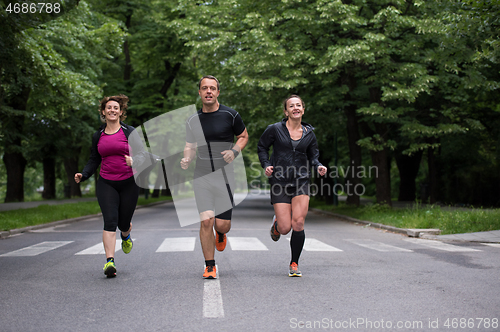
x,y
116,190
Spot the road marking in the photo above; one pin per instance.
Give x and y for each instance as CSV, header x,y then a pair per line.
x,y
212,298
37,249
246,243
317,245
98,249
440,245
496,245
172,244
378,246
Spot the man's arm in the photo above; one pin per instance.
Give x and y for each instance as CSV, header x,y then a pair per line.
x,y
189,154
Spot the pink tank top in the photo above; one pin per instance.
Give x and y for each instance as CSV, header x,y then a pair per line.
x,y
113,149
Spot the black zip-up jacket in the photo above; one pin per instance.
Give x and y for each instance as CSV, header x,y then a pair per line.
x,y
95,158
291,167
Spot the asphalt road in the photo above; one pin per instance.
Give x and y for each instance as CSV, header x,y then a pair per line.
x,y
355,278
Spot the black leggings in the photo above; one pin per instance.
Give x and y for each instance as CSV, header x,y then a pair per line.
x,y
117,200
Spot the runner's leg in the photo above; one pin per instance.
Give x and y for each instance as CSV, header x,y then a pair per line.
x,y
300,205
283,212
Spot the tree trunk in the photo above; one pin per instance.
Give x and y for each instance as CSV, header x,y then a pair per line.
x,y
15,164
71,168
353,137
49,178
126,51
172,73
13,158
408,167
383,180
380,159
433,175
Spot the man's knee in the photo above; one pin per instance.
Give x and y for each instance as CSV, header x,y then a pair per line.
x,y
222,225
208,223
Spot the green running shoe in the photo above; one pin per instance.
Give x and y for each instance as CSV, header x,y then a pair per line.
x,y
127,245
110,269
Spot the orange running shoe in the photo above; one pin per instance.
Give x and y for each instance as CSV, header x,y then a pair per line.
x,y
275,235
210,272
220,241
294,270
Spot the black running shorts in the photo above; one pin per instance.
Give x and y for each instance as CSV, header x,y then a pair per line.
x,y
281,194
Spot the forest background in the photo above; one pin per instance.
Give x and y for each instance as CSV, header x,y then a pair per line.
x,y
408,87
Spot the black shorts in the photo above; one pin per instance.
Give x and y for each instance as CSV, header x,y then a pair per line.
x,y
213,193
281,194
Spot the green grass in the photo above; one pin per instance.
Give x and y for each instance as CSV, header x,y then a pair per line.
x,y
47,213
448,220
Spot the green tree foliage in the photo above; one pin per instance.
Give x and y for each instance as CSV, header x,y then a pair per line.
x,y
50,85
398,64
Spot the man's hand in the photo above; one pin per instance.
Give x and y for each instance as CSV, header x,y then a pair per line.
x,y
228,155
185,163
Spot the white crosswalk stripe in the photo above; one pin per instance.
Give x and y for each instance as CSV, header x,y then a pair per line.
x,y
173,244
246,243
316,245
440,245
37,249
98,249
378,246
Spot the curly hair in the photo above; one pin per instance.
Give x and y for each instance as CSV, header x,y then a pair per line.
x,y
122,100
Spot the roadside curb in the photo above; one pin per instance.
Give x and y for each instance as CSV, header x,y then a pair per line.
x,y
6,234
408,232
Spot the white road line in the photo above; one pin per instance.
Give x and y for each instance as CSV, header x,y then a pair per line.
x,y
173,244
212,298
37,249
440,245
246,243
378,246
317,245
98,249
496,245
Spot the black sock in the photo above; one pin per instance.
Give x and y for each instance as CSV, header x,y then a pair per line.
x,y
124,238
210,262
110,259
296,244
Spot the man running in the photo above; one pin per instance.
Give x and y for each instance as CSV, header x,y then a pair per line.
x,y
213,178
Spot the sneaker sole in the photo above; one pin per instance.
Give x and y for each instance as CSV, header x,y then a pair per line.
x,y
210,277
110,272
294,275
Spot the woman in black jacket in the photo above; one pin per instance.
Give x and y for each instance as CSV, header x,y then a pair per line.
x,y
295,151
116,190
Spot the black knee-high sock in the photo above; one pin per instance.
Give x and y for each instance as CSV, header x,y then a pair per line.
x,y
296,244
